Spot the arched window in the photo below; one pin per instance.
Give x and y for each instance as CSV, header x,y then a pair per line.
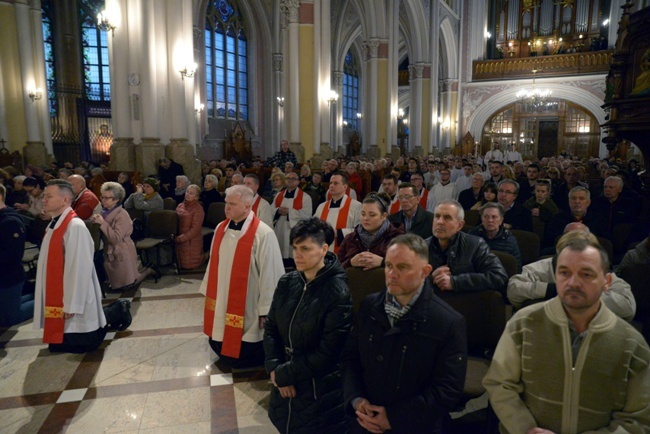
x,y
97,82
350,90
48,49
226,67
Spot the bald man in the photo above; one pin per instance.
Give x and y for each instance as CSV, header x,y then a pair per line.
x,y
84,201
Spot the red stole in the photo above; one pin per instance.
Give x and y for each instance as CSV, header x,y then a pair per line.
x,y
394,207
238,287
341,220
54,324
424,198
297,200
256,204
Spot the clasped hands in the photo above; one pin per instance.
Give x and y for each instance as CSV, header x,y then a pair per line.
x,y
366,260
371,417
442,278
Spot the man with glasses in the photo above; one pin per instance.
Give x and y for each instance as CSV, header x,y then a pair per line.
x,y
516,217
413,216
470,196
418,186
289,206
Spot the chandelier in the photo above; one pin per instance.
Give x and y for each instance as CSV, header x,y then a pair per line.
x,y
534,97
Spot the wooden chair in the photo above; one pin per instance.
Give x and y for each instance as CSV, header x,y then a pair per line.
x,y
162,228
508,261
169,203
485,320
635,275
96,234
363,283
529,245
216,214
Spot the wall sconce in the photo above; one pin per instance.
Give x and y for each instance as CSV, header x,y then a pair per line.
x,y
104,23
198,109
400,114
332,97
188,71
280,100
345,124
35,94
488,35
359,116
405,121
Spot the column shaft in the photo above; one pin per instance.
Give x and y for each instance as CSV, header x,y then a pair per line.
x,y
25,44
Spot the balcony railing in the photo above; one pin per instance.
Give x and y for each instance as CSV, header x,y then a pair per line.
x,y
558,65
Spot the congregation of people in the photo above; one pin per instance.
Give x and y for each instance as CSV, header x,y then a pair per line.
x,y
554,238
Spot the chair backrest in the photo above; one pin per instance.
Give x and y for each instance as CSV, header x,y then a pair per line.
x,y
363,283
620,235
485,317
216,214
608,246
169,203
508,261
162,223
529,244
636,276
472,217
95,233
539,227
135,213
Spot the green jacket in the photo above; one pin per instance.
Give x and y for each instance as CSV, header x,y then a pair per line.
x,y
532,381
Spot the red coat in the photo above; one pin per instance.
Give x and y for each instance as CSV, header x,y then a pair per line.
x,y
355,182
85,204
189,242
352,245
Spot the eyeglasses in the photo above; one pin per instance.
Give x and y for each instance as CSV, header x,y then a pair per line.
x,y
107,198
506,192
292,179
405,197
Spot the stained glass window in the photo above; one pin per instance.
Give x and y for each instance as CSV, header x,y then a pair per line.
x,y
226,61
48,49
350,91
97,82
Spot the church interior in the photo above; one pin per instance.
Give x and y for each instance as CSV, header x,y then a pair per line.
x,y
125,83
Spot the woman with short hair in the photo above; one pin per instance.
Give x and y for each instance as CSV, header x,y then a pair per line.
x,y
189,241
305,331
120,257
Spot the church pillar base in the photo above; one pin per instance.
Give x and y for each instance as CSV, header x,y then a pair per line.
x,y
326,151
122,155
147,155
395,152
299,150
417,152
36,154
373,152
183,153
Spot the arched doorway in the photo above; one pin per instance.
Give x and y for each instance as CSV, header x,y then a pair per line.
x,y
558,127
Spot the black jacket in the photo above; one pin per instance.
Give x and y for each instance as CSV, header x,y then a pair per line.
x,y
519,217
416,368
473,266
305,331
12,242
422,223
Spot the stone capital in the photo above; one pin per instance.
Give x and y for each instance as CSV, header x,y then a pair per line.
x,y
372,47
416,71
278,62
337,78
289,9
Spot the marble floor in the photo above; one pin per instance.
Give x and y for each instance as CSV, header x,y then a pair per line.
x,y
158,376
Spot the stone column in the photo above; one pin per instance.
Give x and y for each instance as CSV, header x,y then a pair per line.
x,y
370,117
39,73
290,10
337,144
278,112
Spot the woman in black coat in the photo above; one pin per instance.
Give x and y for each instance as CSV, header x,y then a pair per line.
x,y
305,331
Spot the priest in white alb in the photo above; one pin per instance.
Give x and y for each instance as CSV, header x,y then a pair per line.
x,y
68,298
289,207
341,211
244,269
261,207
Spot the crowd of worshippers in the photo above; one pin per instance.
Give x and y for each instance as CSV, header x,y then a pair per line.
x,y
277,295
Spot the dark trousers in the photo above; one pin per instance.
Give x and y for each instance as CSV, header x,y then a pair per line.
x,y
251,354
15,307
80,342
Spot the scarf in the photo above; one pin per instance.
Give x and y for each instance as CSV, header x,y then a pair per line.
x,y
368,239
105,212
149,196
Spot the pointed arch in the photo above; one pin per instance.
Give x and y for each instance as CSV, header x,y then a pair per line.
x,y
449,50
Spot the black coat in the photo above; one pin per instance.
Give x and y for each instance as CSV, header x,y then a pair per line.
x,y
416,368
305,331
422,223
473,266
519,217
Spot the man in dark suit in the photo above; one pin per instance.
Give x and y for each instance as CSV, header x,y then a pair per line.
x,y
517,217
416,220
